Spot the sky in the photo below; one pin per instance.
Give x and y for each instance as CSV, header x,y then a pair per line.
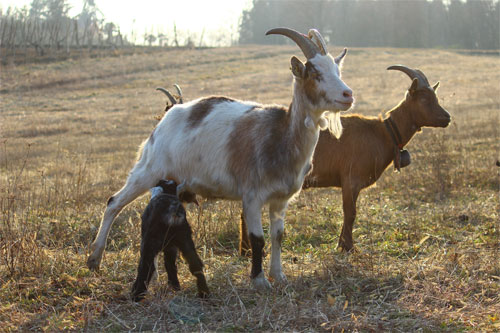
x,y
192,16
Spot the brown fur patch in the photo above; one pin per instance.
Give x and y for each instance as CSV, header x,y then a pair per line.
x,y
241,147
310,88
275,152
201,109
311,77
323,95
312,73
425,109
267,129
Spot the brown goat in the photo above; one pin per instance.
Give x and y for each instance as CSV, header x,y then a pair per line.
x,y
367,146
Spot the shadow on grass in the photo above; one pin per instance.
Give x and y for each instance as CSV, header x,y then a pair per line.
x,y
342,293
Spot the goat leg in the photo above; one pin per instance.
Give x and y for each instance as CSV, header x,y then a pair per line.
x,y
252,210
349,198
186,246
244,241
151,245
277,214
170,258
137,184
145,272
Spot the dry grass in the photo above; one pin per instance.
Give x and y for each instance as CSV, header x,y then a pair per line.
x,y
428,237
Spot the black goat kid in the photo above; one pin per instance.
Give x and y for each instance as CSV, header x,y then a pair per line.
x,y
165,227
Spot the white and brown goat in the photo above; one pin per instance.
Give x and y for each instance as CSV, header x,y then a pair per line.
x,y
368,145
224,148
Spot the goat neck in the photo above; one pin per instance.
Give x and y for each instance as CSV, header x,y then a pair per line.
x,y
304,127
303,116
402,118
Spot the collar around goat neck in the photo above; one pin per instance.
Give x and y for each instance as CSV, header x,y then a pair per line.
x,y
394,132
398,143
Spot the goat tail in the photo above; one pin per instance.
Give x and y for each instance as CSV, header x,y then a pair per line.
x,y
334,123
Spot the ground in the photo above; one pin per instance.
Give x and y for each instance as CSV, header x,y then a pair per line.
x,y
427,238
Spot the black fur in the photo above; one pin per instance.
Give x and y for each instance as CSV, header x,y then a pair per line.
x,y
164,227
257,246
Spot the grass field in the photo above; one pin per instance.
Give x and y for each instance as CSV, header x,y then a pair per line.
x,y
428,237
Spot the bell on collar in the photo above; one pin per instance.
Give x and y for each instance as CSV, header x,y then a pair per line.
x,y
405,158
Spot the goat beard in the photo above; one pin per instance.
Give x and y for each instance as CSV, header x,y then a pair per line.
x,y
331,120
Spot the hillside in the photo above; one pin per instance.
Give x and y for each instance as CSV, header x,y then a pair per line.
x,y
428,238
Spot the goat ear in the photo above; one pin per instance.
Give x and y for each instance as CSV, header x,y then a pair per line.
x,y
188,197
436,86
413,87
297,68
340,57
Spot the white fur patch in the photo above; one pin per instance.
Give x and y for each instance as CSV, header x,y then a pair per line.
x,y
332,84
156,191
334,123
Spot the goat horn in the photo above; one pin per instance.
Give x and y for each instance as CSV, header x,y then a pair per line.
x,y
306,45
423,77
412,73
179,91
315,36
169,95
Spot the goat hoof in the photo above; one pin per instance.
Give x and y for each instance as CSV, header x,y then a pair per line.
x,y
347,249
94,259
344,246
138,297
93,263
261,284
175,286
279,277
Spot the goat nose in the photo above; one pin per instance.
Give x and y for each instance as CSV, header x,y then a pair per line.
x,y
347,93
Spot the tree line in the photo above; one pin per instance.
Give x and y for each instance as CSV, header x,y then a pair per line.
x,y
467,24
46,27
45,30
